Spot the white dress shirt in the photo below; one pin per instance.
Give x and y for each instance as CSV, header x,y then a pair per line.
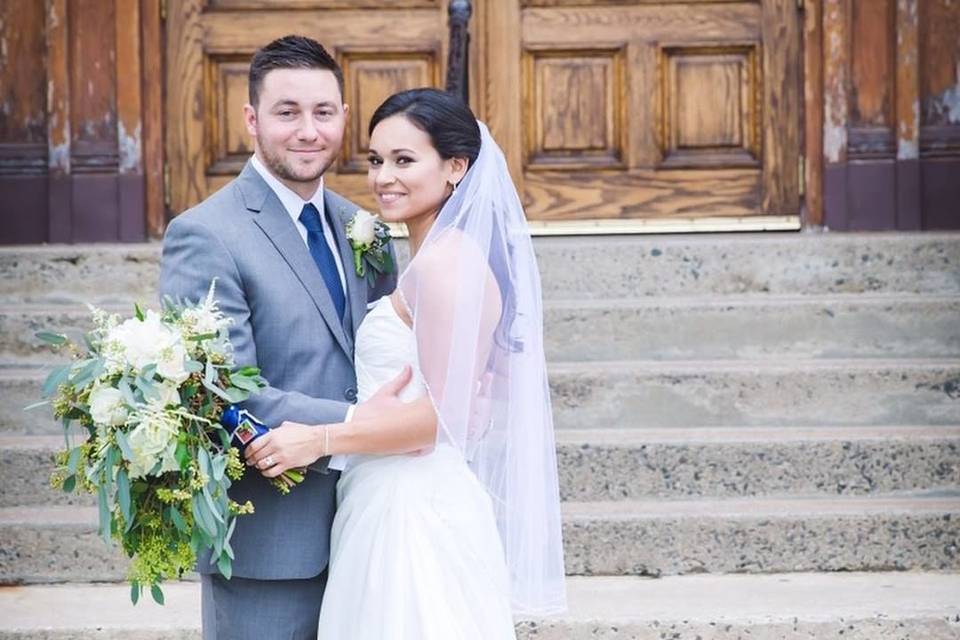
x,y
294,204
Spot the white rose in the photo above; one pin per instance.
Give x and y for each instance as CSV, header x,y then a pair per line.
x,y
107,406
169,395
140,342
363,230
155,434
171,363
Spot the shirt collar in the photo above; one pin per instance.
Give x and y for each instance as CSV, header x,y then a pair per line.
x,y
292,202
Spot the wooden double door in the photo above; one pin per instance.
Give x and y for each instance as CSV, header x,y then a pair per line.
x,y
606,110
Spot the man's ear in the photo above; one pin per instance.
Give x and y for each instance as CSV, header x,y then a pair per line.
x,y
250,119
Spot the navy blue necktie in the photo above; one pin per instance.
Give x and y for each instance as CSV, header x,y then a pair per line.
x,y
322,255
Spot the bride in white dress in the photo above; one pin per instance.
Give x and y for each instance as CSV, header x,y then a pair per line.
x,y
448,519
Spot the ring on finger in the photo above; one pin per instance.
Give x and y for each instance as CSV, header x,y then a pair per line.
x,y
268,461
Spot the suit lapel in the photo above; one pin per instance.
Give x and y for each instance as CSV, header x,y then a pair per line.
x,y
274,221
339,212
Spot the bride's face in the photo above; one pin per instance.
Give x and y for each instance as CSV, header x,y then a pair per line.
x,y
406,174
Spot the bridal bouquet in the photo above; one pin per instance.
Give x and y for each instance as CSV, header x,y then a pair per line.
x,y
150,392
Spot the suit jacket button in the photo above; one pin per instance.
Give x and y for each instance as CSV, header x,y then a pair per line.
x,y
350,394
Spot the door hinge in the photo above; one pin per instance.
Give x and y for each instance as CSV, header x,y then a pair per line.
x,y
166,184
163,9
802,174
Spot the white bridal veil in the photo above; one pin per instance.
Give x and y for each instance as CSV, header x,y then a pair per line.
x,y
473,292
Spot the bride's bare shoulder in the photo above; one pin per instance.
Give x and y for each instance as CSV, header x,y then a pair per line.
x,y
450,250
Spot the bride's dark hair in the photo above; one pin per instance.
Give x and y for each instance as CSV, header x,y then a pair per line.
x,y
452,127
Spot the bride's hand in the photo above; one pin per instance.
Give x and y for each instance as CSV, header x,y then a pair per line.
x,y
290,446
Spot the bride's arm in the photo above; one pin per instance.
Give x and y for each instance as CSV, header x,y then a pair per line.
x,y
391,427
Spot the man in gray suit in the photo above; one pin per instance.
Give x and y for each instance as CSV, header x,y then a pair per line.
x,y
275,240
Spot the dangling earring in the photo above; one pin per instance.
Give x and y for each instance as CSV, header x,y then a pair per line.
x,y
453,186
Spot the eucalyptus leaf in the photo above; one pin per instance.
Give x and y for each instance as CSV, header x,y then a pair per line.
x,y
233,525
57,377
157,593
123,497
192,366
104,513
148,388
138,311
127,391
244,382
135,591
204,522
73,459
213,507
218,466
124,445
236,396
85,372
203,460
55,339
69,484
225,566
177,519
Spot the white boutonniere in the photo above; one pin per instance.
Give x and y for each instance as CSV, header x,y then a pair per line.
x,y
368,236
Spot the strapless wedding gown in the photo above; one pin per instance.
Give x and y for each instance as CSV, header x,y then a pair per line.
x,y
415,553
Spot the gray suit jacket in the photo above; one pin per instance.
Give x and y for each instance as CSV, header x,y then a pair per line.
x,y
285,323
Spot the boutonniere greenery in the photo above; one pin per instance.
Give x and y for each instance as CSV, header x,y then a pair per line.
x,y
369,236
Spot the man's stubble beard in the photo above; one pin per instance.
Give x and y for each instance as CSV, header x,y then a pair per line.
x,y
282,170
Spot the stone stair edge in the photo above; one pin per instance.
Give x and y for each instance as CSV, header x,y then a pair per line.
x,y
721,507
595,601
12,305
636,436
30,369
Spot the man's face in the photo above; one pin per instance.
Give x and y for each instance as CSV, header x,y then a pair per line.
x,y
298,125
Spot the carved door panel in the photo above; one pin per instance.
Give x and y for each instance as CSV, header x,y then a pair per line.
x,y
646,109
382,47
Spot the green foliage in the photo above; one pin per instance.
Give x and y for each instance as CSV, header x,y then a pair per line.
x,y
162,507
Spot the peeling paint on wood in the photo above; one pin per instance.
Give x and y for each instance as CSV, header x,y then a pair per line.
x,y
129,145
58,106
907,81
945,108
835,81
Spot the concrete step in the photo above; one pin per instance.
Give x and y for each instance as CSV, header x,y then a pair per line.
x,y
652,537
631,464
756,393
790,264
762,535
729,327
575,267
869,392
752,327
873,606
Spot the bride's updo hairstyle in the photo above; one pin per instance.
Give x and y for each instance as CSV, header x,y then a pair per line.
x,y
452,127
